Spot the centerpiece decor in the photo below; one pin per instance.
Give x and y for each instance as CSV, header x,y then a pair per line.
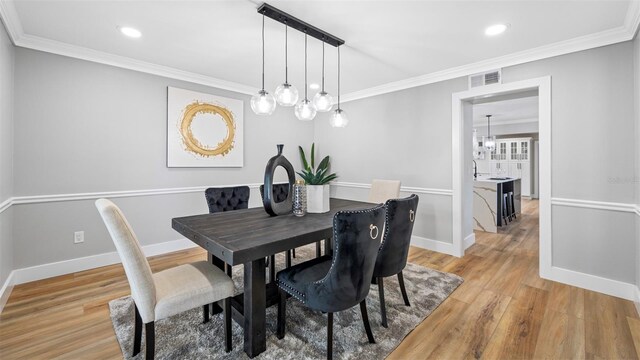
x,y
317,180
272,207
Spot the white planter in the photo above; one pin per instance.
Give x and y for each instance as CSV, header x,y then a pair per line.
x,y
318,199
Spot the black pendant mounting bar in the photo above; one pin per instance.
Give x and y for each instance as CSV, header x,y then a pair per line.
x,y
295,23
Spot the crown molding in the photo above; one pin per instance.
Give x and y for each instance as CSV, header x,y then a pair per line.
x,y
607,37
12,24
78,52
627,31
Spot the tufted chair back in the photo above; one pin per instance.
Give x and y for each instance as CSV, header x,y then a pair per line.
x,y
392,257
136,267
357,235
280,192
226,199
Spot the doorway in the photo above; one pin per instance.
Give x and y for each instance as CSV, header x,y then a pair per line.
x,y
462,159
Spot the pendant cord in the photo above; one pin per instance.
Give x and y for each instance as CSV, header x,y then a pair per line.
x,y
489,126
323,65
338,78
305,65
262,52
286,53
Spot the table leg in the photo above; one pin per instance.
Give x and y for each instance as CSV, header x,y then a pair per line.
x,y
254,308
328,248
215,308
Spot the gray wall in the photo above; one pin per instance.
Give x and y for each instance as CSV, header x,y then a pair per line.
x,y
6,152
508,129
406,135
636,64
86,127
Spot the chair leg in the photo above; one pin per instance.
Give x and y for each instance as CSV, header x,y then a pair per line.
x,y
282,314
150,341
293,251
205,313
228,269
329,336
227,325
137,337
288,259
318,249
365,320
402,289
383,308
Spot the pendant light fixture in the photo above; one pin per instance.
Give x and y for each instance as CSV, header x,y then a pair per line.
x,y
339,117
263,103
489,142
305,110
286,94
323,101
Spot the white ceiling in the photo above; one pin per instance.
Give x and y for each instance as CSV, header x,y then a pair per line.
x,y
524,109
386,41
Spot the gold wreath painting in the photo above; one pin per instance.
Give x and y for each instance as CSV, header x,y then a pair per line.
x,y
203,130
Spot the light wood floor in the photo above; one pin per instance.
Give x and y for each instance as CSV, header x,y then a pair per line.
x,y
503,310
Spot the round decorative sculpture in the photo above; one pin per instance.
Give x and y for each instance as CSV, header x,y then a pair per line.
x,y
270,206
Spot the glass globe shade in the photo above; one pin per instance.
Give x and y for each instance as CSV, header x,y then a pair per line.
x,y
286,94
339,118
263,103
323,101
489,143
305,110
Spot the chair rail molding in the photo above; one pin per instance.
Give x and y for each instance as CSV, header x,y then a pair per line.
x,y
404,189
597,205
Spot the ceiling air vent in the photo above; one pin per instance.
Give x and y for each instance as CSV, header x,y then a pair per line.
x,y
486,78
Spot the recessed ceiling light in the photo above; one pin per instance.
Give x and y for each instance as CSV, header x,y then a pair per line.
x,y
314,86
496,29
130,32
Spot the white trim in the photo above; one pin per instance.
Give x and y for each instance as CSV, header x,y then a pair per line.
x,y
6,204
405,189
543,85
637,300
594,283
469,240
637,210
5,291
434,245
17,200
45,271
79,52
622,33
603,38
11,20
477,123
598,205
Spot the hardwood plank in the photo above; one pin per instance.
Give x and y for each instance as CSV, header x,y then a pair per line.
x,y
607,330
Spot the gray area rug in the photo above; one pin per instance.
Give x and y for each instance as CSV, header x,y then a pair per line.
x,y
184,336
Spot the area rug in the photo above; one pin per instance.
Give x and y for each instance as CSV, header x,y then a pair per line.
x,y
184,336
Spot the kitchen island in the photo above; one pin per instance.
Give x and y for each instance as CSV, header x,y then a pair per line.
x,y
488,197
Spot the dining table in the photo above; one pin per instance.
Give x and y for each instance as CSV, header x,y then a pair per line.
x,y
246,237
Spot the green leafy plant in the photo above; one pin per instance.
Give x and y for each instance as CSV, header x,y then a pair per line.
x,y
312,175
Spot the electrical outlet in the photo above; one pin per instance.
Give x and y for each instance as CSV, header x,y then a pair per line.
x,y
78,237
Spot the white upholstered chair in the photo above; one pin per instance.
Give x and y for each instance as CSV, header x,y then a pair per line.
x,y
383,190
168,292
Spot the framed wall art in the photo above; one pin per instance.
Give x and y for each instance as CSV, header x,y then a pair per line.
x,y
203,130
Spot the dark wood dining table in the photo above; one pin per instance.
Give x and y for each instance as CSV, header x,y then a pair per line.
x,y
247,237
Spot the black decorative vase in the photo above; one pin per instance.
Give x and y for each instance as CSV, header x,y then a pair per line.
x,y
270,206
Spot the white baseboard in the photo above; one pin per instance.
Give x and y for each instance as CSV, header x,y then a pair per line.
x,y
594,283
39,272
637,301
469,240
5,291
433,245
